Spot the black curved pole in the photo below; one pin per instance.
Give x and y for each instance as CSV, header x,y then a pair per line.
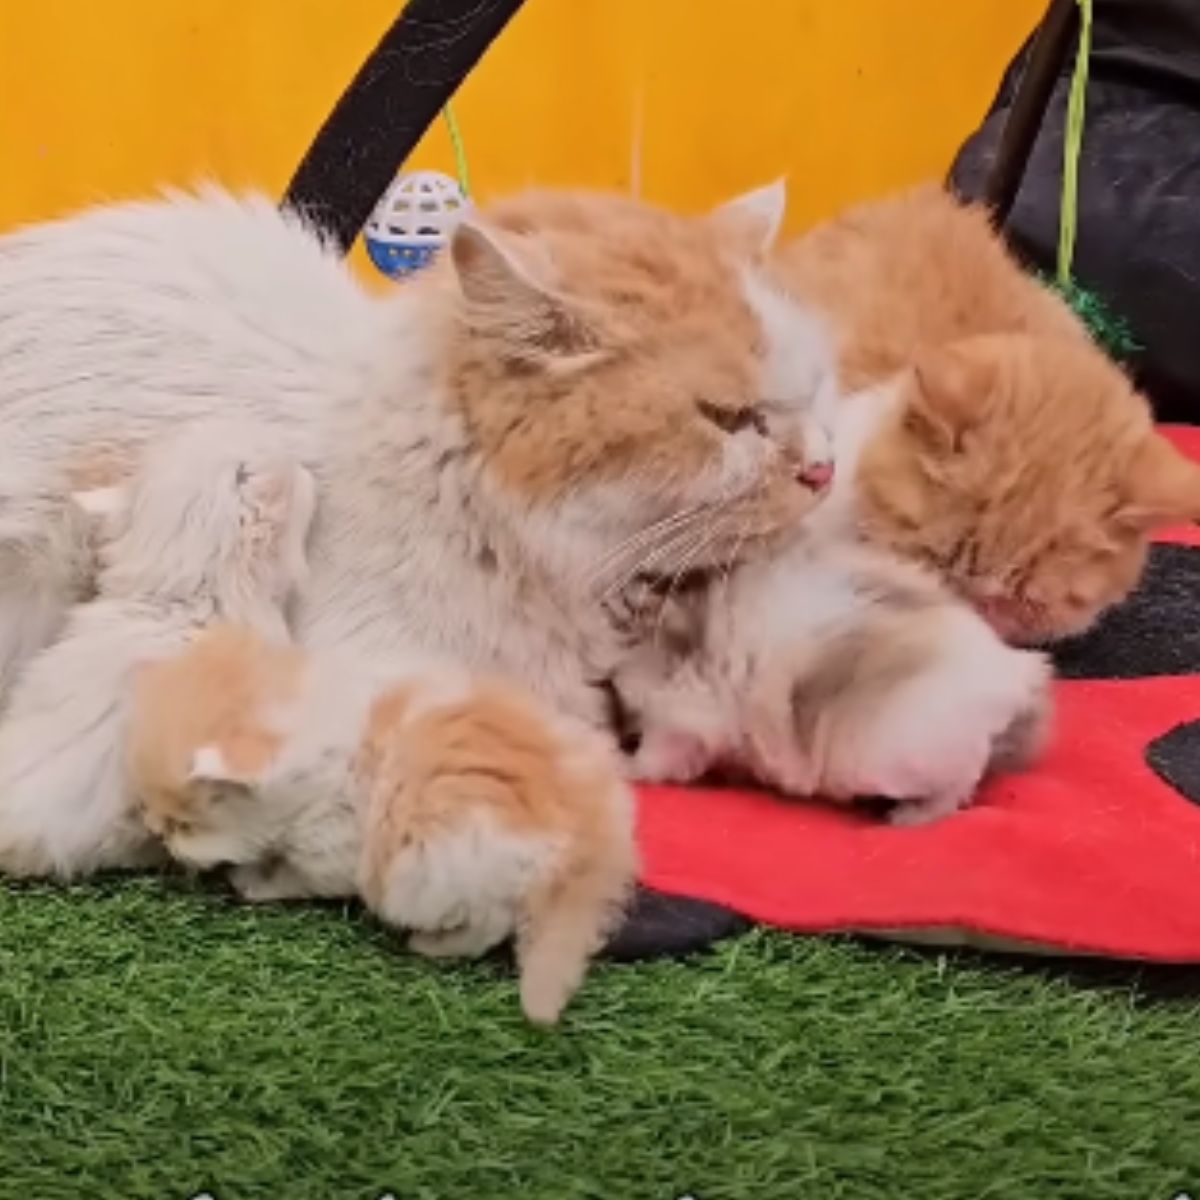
x,y
397,94
1057,33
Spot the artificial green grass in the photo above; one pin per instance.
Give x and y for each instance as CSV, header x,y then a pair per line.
x,y
157,1040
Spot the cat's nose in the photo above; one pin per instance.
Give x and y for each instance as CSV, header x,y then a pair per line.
x,y
817,477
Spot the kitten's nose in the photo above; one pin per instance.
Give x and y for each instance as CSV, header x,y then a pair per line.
x,y
817,477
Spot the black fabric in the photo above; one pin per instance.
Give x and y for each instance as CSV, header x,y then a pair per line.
x,y
1155,632
405,82
659,925
1175,758
1139,190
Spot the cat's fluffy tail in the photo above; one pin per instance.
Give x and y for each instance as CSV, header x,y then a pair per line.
x,y
566,919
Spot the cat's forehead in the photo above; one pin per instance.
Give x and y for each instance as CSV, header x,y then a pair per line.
x,y
797,349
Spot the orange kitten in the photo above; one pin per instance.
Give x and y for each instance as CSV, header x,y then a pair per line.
x,y
999,445
488,816
457,808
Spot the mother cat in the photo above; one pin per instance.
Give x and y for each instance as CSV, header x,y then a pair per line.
x,y
589,383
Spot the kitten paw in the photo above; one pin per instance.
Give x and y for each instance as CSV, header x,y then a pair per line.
x,y
468,941
262,883
670,758
909,814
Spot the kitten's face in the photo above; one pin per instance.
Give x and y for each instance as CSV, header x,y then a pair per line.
x,y
202,740
207,822
630,381
1028,474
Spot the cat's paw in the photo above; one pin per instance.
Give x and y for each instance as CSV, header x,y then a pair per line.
x,y
468,941
262,883
909,814
670,757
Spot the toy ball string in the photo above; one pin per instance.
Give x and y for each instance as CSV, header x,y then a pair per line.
x,y
459,149
1110,329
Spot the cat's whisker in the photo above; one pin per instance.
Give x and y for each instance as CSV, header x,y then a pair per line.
x,y
706,539
637,541
731,560
655,553
714,534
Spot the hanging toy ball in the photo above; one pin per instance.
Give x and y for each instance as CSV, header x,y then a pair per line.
x,y
414,221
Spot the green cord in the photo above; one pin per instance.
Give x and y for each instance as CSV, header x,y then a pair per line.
x,y
1068,220
460,152
1109,329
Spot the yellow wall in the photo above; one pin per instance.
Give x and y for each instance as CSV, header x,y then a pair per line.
x,y
849,97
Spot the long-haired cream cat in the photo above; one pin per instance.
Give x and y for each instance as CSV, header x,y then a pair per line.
x,y
585,387
458,808
583,378
999,446
211,527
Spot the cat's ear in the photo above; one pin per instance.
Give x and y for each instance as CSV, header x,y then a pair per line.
x,y
507,300
948,397
1161,486
754,219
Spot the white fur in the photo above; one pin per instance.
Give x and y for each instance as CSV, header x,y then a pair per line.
x,y
307,823
927,742
466,896
122,323
126,320
174,559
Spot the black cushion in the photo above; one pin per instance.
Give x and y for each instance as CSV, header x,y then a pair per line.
x,y
1139,187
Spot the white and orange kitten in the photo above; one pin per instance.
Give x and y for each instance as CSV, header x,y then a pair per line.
x,y
459,809
839,672
211,527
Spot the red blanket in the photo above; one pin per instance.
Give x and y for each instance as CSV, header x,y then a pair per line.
x,y
1093,852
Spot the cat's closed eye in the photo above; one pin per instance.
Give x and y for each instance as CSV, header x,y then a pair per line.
x,y
732,420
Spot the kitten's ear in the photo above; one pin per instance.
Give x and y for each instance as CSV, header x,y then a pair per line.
x,y
506,300
1161,486
754,219
209,765
949,396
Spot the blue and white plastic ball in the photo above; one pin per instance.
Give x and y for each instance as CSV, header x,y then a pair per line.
x,y
413,221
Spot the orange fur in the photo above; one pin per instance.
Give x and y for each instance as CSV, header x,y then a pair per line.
x,y
432,765
101,465
621,321
214,693
911,273
495,753
1021,465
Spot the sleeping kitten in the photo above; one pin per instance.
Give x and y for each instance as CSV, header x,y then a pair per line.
x,y
212,526
998,446
839,672
458,808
